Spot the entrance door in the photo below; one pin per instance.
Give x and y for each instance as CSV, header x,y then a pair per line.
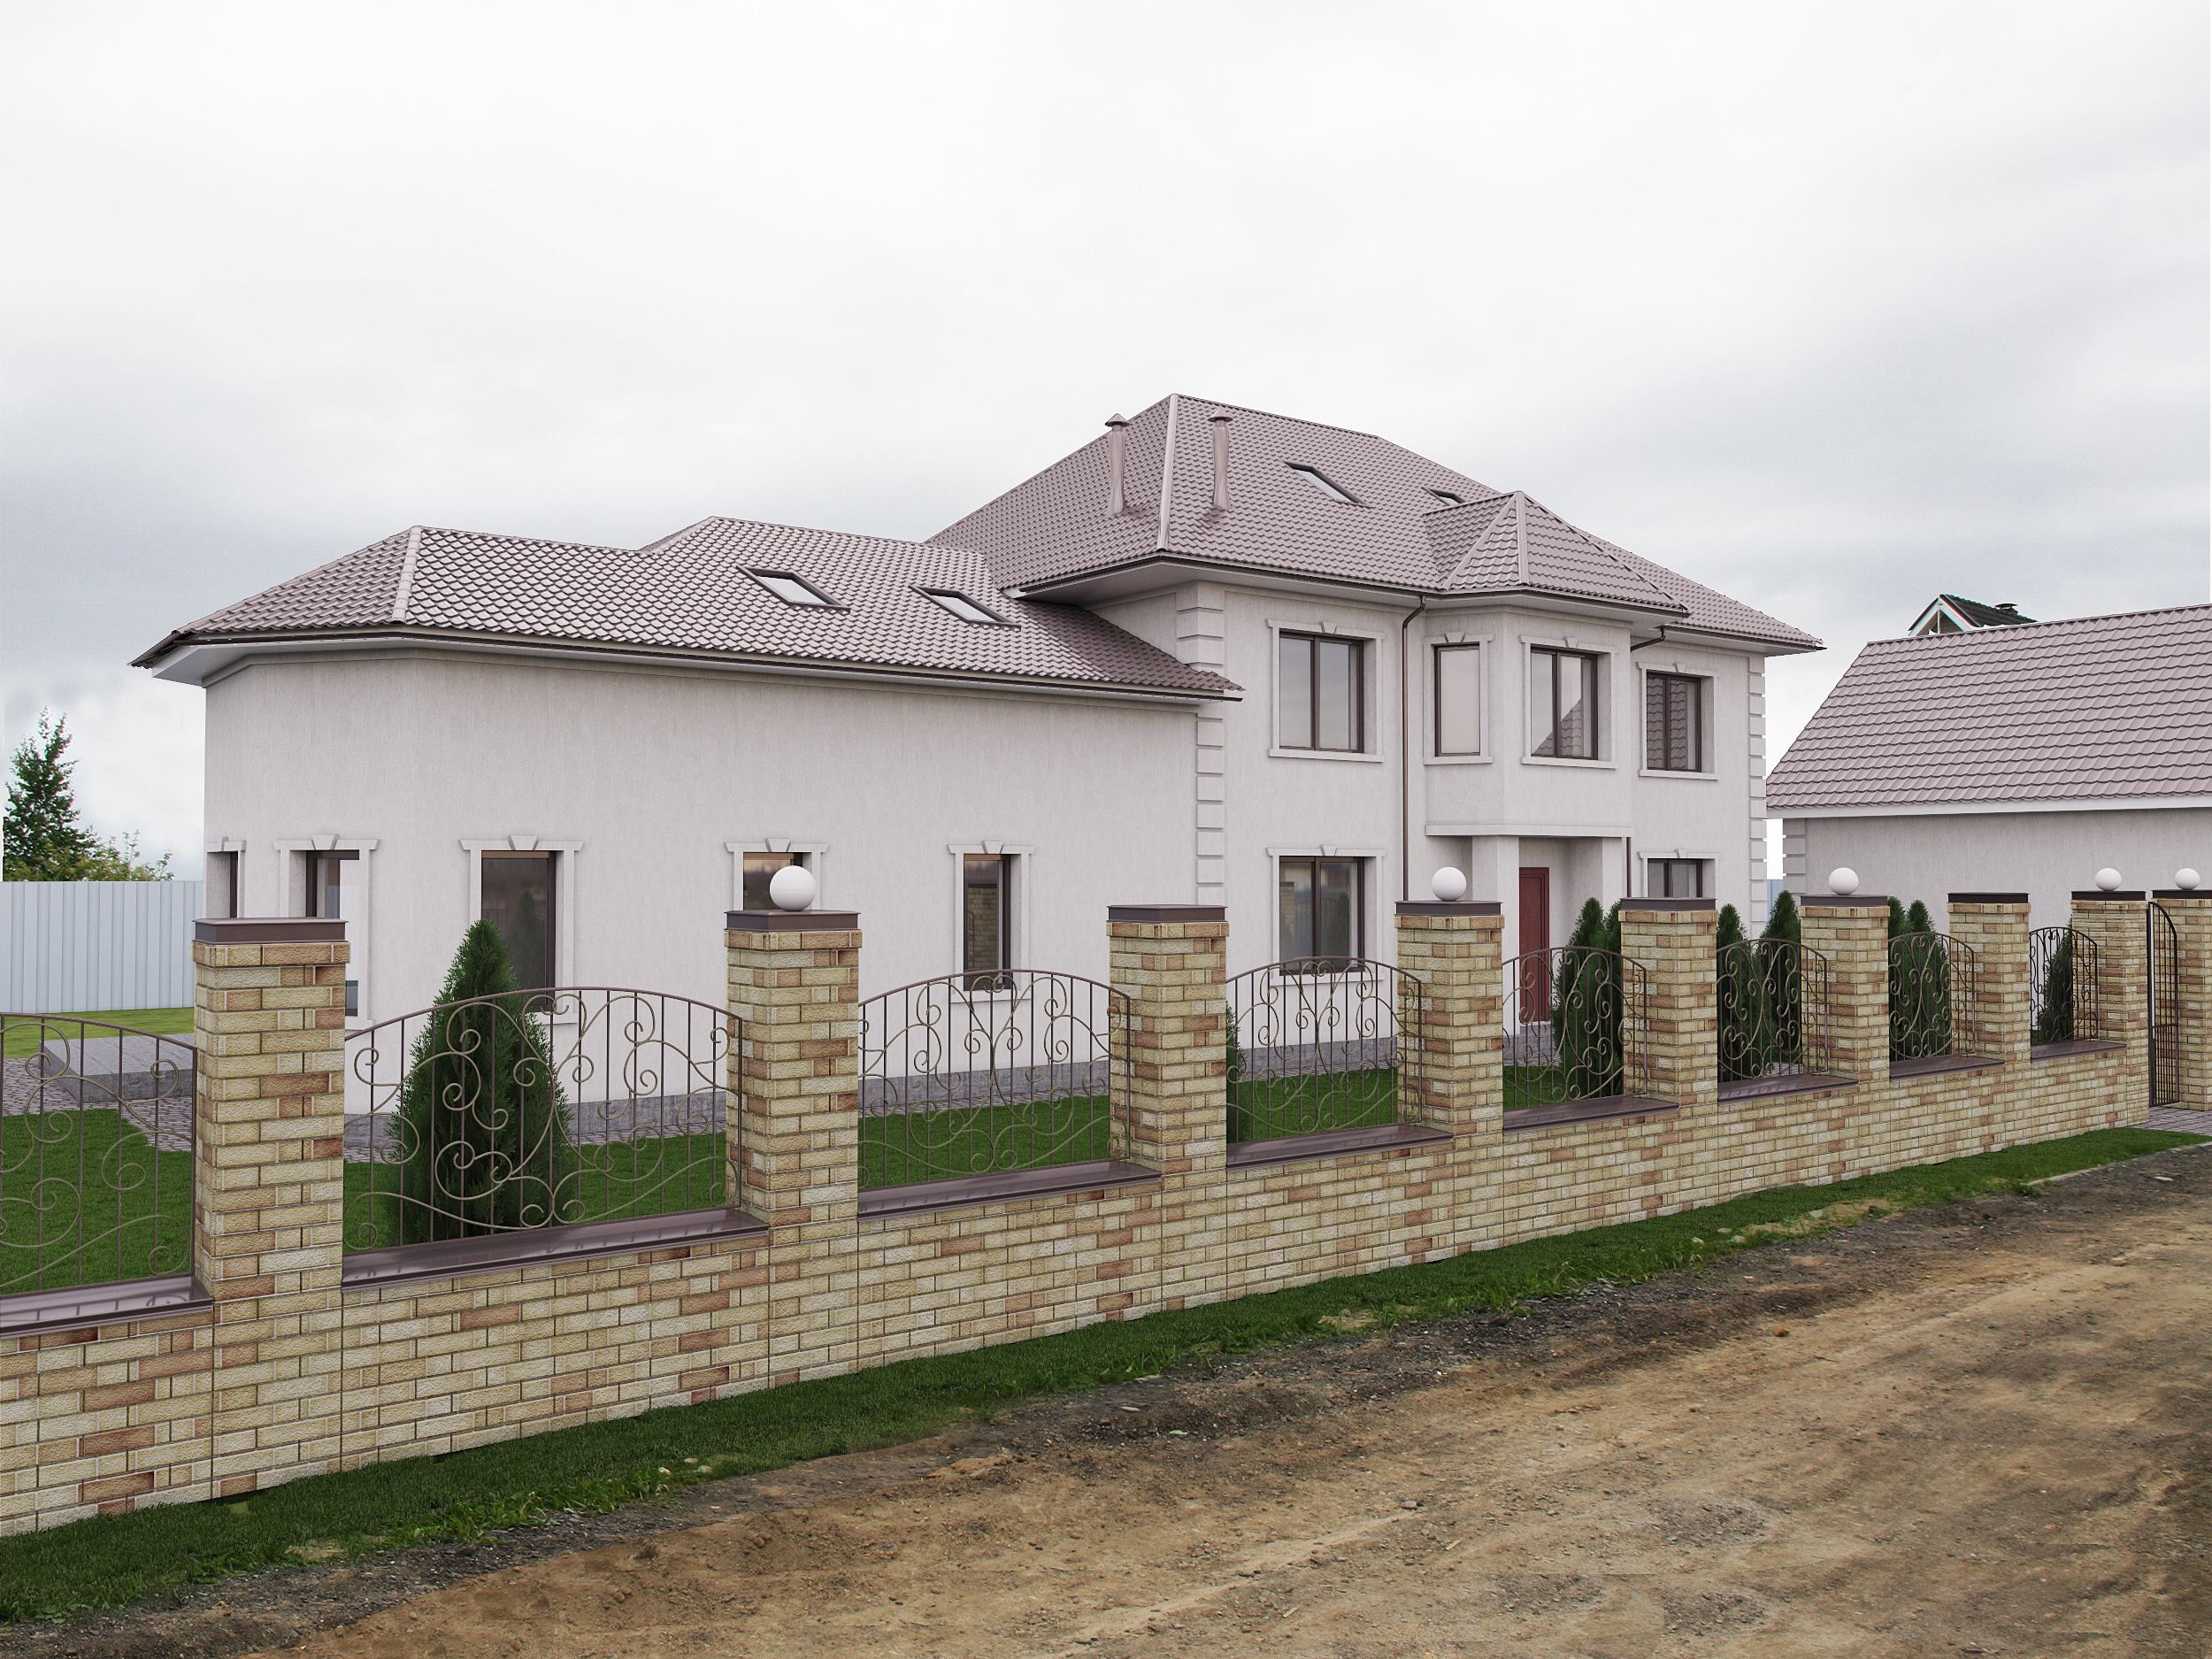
x,y
1534,991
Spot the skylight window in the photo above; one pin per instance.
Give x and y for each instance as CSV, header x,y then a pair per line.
x,y
793,590
1449,499
1312,475
964,607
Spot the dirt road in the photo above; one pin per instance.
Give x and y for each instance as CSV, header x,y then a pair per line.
x,y
1967,1429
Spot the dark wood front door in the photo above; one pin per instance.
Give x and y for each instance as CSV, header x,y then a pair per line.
x,y
1535,910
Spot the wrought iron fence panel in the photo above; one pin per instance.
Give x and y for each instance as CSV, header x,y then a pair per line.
x,y
537,1109
1931,997
1321,1043
2061,986
1772,1005
972,1074
2163,953
1574,1026
96,1154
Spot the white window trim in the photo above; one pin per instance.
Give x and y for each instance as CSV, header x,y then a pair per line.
x,y
292,873
233,845
1377,878
1647,857
1486,700
1608,702
1370,707
565,968
1024,876
811,859
1707,710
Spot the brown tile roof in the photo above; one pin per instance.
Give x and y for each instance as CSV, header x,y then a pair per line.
x,y
2101,708
1400,534
690,592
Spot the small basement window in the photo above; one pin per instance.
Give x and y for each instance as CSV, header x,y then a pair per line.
x,y
1313,476
964,607
793,590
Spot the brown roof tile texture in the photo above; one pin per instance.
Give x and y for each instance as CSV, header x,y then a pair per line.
x,y
2101,708
690,592
1400,534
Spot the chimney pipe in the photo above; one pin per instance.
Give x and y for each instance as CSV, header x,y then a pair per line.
x,y
1116,493
1221,424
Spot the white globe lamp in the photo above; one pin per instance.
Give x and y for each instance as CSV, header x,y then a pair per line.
x,y
1449,885
792,888
1843,881
2185,880
2108,878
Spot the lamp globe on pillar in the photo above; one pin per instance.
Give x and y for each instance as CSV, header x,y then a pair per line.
x,y
2108,878
1843,881
1449,885
2185,880
792,888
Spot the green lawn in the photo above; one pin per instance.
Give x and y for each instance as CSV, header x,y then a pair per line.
x,y
900,1148
1268,1109
114,1559
86,1200
26,1033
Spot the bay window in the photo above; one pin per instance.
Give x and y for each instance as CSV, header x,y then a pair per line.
x,y
1563,704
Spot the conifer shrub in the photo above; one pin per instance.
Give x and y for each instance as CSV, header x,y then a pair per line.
x,y
1587,1008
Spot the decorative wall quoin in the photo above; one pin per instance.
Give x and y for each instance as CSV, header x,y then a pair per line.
x,y
795,984
269,1187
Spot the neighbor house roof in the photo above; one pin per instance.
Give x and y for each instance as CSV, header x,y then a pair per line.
x,y
690,593
1411,525
1966,613
2100,709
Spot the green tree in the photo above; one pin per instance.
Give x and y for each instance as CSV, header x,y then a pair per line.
x,y
1741,1008
1587,1006
46,837
1782,972
1919,985
482,1137
1785,921
2054,1022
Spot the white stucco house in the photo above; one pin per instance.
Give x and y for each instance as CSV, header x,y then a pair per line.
x,y
1213,655
2017,757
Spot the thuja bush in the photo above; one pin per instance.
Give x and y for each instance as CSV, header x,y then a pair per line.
x,y
2055,1019
1587,1006
482,1137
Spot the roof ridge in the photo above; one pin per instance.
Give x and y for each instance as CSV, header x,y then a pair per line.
x,y
406,583
1167,473
1616,555
1520,534
2022,627
1246,408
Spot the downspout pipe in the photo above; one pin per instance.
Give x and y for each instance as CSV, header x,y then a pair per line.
x,y
1405,753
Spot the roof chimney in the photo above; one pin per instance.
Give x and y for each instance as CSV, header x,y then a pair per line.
x,y
1117,493
1221,424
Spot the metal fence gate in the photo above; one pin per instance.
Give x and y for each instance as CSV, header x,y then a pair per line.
x,y
2164,956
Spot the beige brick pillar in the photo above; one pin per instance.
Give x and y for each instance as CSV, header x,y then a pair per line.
x,y
1170,960
2192,912
794,983
2115,922
1674,1054
1994,1020
268,1188
1849,1030
1458,1044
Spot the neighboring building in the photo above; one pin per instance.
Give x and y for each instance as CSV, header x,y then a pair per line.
x,y
1948,613
1213,655
2020,758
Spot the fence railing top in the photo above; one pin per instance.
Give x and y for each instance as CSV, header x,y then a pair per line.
x,y
539,997
1326,966
961,983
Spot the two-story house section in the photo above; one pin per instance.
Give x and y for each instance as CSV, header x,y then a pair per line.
x,y
1436,672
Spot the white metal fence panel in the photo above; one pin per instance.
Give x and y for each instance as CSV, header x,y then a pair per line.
x,y
82,947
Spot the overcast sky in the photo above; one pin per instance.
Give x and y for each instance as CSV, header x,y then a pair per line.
x,y
1829,306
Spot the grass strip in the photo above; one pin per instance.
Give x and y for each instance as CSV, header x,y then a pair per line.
x,y
113,1560
25,1032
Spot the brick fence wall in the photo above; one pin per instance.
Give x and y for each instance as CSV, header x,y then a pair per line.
x,y
275,1365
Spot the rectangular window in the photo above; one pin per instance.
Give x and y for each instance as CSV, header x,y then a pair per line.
x,y
1674,723
516,898
760,870
1677,878
1459,700
1323,692
1563,704
330,876
986,913
1321,907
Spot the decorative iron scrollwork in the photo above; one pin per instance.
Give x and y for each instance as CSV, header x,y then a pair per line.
x,y
1771,1003
1931,986
1574,1026
1321,1043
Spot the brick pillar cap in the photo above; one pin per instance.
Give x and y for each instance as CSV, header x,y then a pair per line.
x,y
1989,898
1670,904
791,921
1456,907
269,929
2129,896
1167,912
1845,902
2178,893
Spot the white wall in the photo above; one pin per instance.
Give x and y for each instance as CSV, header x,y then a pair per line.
x,y
89,947
2048,855
653,771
